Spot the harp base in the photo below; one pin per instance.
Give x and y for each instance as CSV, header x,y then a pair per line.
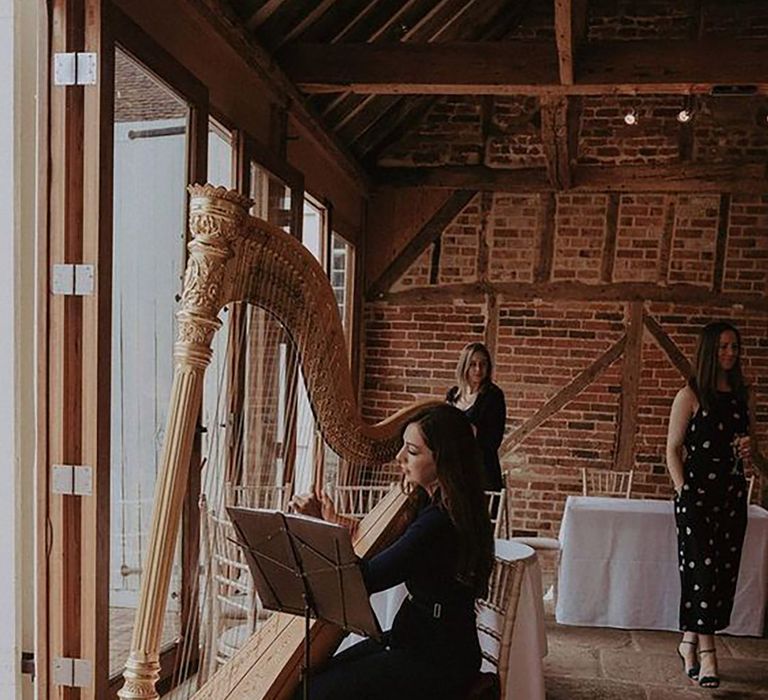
x,y
141,674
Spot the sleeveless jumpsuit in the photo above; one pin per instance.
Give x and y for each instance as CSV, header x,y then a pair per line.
x,y
711,515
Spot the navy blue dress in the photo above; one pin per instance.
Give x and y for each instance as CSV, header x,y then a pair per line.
x,y
432,650
489,416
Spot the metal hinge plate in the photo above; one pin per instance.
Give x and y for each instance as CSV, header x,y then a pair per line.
x,y
72,480
73,673
72,280
74,68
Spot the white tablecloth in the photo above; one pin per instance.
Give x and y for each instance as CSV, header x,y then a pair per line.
x,y
529,642
618,566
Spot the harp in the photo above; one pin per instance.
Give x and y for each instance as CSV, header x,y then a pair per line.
x,y
236,257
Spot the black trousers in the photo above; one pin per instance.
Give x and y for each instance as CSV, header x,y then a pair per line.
x,y
711,518
370,670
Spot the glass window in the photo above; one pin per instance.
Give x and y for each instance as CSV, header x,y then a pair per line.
x,y
150,177
221,159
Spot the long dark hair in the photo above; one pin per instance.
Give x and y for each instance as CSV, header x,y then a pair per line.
x,y
448,434
703,381
463,366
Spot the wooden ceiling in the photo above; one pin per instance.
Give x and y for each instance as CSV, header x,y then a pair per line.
x,y
370,70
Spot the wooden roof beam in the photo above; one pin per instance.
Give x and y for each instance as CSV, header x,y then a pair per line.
x,y
684,177
570,32
526,67
222,19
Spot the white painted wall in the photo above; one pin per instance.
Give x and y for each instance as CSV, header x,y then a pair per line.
x,y
19,20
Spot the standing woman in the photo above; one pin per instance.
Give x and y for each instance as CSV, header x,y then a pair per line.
x,y
707,445
483,404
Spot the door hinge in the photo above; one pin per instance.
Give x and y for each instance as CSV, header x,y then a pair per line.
x,y
74,68
28,663
73,673
72,480
72,280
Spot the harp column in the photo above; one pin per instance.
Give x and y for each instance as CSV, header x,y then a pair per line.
x,y
217,220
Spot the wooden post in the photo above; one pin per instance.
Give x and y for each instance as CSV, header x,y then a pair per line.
x,y
216,219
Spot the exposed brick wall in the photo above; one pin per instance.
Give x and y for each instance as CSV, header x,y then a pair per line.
x,y
694,240
449,134
728,129
746,263
645,19
513,237
638,237
606,139
459,245
411,352
579,238
541,345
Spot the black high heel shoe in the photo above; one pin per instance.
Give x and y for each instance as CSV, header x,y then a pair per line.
x,y
708,681
693,671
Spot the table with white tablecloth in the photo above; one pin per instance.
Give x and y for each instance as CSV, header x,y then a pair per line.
x,y
618,566
529,643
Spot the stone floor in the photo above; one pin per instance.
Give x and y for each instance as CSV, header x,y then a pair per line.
x,y
591,663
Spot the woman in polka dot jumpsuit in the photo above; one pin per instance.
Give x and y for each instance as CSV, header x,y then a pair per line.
x,y
707,446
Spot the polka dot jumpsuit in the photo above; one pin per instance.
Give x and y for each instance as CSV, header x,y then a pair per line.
x,y
711,515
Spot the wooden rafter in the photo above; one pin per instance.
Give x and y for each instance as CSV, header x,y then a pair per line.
x,y
305,21
474,292
476,20
418,244
526,67
440,21
630,388
570,31
675,355
263,13
221,18
685,177
564,396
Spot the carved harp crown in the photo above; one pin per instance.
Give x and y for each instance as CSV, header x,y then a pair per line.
x,y
236,257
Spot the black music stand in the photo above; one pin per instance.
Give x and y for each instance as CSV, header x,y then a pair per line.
x,y
305,566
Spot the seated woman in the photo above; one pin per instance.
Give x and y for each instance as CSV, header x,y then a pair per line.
x,y
483,404
444,558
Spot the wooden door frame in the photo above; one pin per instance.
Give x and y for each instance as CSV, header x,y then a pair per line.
x,y
74,344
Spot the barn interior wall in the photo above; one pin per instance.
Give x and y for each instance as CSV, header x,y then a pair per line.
x,y
553,304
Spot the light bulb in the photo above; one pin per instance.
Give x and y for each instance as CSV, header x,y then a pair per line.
x,y
630,118
684,116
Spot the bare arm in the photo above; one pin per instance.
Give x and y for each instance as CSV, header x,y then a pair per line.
x,y
683,407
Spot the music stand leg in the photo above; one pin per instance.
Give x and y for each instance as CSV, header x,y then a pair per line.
x,y
305,670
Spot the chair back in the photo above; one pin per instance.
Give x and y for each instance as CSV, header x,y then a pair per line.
x,y
497,511
231,607
497,613
603,482
275,496
358,501
750,488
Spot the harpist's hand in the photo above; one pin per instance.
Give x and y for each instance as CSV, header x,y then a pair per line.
x,y
306,504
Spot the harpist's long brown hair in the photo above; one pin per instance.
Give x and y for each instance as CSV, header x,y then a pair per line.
x,y
448,434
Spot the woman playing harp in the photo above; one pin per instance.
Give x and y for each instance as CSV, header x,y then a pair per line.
x,y
234,257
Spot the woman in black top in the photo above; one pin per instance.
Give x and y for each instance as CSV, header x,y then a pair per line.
x,y
444,558
483,403
708,444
